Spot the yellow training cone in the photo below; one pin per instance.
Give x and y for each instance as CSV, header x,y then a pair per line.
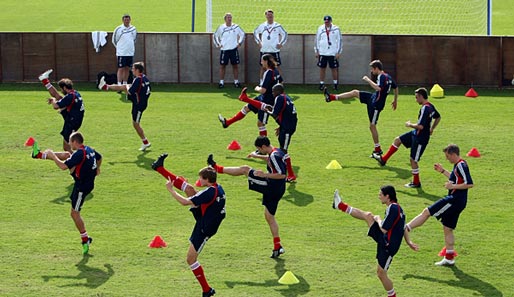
x,y
334,165
437,91
288,279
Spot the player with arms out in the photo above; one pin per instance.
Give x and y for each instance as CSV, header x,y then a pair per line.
x,y
375,102
70,106
387,233
208,208
270,78
139,93
84,165
271,184
417,139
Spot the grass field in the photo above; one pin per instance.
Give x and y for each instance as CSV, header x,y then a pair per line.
x,y
327,250
175,16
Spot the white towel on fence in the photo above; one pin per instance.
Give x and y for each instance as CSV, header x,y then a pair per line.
x,y
99,39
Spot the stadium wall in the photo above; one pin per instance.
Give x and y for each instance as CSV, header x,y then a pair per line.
x,y
191,58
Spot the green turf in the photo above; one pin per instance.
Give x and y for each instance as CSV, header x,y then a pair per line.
x,y
175,16
328,251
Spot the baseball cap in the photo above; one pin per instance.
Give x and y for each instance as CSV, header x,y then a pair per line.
x,y
327,18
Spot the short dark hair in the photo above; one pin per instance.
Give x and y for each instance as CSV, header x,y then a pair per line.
x,y
261,141
139,66
278,88
65,82
452,149
209,174
422,91
376,64
270,61
268,10
389,190
77,136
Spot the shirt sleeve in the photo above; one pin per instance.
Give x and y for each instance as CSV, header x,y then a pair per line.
x,y
203,197
136,84
75,159
65,101
279,104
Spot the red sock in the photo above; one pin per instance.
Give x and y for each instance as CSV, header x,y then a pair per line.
x,y
332,97
392,149
415,178
290,171
105,87
378,148
39,155
263,131
450,255
219,169
276,243
84,236
343,206
239,116
200,276
166,173
255,103
45,82
145,141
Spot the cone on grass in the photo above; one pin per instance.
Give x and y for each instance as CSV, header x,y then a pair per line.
x,y
198,183
234,146
30,141
473,153
471,93
157,242
334,165
437,91
288,278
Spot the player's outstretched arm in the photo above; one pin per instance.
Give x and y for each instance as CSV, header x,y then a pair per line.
x,y
411,244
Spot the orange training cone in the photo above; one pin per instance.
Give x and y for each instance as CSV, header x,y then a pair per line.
x,y
473,153
234,146
471,93
30,141
157,242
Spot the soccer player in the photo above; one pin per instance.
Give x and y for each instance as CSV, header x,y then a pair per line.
x,y
124,40
208,208
417,139
228,38
138,92
84,166
284,113
271,37
387,233
271,184
70,106
328,48
270,78
375,102
448,208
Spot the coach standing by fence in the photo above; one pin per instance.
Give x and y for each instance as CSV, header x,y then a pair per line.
x,y
124,40
328,48
271,37
228,38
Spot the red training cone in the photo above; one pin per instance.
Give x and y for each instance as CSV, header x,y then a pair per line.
x,y
473,153
234,146
442,253
471,93
198,183
30,141
157,242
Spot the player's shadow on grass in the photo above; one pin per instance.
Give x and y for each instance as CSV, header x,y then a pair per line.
x,y
93,277
296,197
123,98
401,173
142,161
419,193
65,199
464,281
301,288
